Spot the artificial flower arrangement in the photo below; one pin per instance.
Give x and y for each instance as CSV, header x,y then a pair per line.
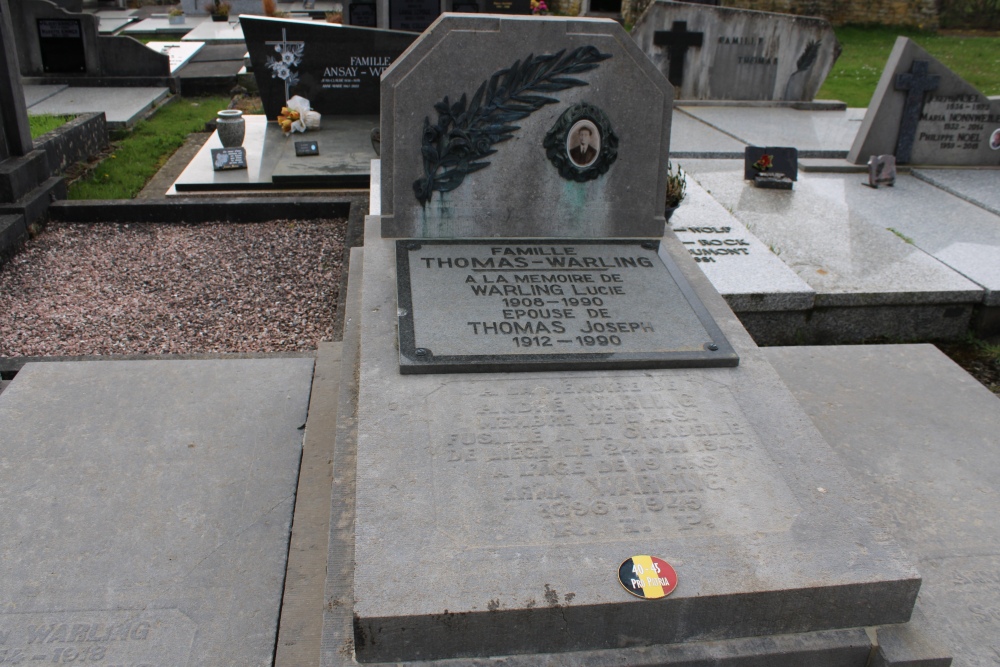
x,y
297,116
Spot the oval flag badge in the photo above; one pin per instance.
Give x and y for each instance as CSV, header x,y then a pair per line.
x,y
647,577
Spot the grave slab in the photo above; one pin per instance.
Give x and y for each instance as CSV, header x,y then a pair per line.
x,y
123,107
33,94
164,26
147,508
742,268
178,52
817,134
430,189
925,114
918,435
767,521
724,53
832,231
109,25
692,138
215,32
978,186
342,162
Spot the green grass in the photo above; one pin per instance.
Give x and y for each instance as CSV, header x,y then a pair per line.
x,y
866,50
46,123
139,155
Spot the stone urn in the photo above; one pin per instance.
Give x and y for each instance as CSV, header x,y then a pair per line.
x,y
231,127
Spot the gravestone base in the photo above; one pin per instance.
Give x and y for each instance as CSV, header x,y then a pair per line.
x,y
485,564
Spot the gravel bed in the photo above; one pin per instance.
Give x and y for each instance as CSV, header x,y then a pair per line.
x,y
103,289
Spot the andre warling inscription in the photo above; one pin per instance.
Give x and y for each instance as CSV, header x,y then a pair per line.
x,y
527,305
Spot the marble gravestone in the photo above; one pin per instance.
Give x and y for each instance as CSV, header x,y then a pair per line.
x,y
925,114
487,514
719,53
335,67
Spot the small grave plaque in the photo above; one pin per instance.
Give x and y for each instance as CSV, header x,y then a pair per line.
x,y
224,159
881,171
529,305
61,43
304,148
771,167
508,7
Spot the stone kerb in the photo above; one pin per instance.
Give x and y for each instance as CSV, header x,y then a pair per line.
x,y
742,54
521,193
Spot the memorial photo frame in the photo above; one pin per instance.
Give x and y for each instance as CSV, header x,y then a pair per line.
x,y
562,143
995,140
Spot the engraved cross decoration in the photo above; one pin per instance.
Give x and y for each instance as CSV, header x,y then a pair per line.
x,y
916,83
677,40
290,55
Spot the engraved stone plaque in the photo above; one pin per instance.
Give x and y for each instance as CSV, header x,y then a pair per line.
x,y
529,305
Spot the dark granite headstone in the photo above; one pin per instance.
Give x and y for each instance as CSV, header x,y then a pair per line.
x,y
363,14
61,43
769,162
925,114
413,15
335,67
507,7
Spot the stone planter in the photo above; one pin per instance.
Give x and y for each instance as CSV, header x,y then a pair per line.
x,y
231,127
175,20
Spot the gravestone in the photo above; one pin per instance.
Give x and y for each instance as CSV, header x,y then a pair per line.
x,y
363,14
52,42
771,167
148,506
488,514
719,53
923,113
413,15
15,137
335,67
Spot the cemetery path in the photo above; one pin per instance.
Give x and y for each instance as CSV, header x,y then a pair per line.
x,y
119,289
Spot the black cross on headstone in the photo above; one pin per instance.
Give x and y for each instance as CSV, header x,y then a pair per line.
x,y
677,40
916,83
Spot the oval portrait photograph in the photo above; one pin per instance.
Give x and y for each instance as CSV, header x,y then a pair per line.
x,y
995,140
583,143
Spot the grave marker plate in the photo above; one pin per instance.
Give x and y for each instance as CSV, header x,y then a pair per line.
x,y
508,7
61,43
524,305
224,159
769,161
363,14
304,148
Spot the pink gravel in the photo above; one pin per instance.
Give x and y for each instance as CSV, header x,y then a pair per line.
x,y
114,289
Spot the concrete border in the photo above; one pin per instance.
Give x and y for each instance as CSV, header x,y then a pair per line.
x,y
200,209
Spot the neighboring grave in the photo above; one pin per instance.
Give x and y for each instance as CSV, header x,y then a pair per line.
x,y
718,53
335,67
925,114
53,42
516,175
488,514
147,509
413,15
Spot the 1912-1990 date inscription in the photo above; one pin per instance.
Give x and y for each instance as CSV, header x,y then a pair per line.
x,y
527,298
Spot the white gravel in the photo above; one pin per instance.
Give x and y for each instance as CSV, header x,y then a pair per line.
x,y
103,289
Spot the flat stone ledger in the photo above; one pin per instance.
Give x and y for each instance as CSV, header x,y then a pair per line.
x,y
528,305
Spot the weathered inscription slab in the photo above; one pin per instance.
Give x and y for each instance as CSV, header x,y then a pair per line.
x,y
599,459
537,304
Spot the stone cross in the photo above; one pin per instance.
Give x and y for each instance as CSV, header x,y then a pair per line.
x,y
916,83
677,40
15,137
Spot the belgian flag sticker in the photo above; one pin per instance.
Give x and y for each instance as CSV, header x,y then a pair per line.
x,y
647,577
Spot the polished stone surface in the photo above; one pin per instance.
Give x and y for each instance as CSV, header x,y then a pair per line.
x,y
215,32
692,138
919,436
33,94
146,509
833,232
979,186
343,160
164,26
814,133
178,52
535,488
109,25
121,106
742,268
